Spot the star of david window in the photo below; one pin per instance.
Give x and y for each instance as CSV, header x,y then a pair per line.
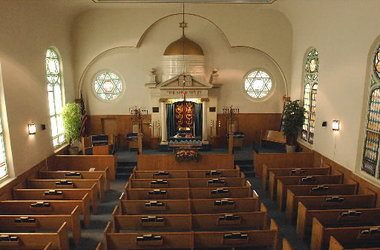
x,y
258,84
107,86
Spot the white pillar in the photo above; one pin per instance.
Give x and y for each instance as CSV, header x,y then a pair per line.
x,y
204,122
164,132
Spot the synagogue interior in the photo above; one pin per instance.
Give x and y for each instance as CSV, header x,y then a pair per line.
x,y
193,124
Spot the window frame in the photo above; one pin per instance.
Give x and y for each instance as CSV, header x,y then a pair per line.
x,y
94,78
372,120
270,92
308,128
56,115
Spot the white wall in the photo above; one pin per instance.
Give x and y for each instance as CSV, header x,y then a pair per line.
x,y
343,32
27,29
97,31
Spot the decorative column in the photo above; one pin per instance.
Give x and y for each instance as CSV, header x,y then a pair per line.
x,y
204,121
164,127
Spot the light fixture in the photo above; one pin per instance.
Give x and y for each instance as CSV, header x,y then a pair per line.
x,y
335,125
32,129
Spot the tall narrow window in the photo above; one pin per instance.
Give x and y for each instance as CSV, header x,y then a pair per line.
x,y
309,94
3,159
372,134
55,95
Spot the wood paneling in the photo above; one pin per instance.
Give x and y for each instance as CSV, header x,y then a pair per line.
x,y
251,124
168,162
122,124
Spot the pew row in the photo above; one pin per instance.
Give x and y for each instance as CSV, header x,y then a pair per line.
x,y
16,236
188,182
271,175
197,206
352,241
84,163
189,240
32,222
78,194
91,186
324,225
284,181
96,175
188,222
187,193
216,173
49,207
309,205
296,192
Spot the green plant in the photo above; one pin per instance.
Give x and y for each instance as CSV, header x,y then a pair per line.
x,y
71,115
294,117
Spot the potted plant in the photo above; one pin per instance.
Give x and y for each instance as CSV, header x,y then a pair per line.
x,y
71,116
294,117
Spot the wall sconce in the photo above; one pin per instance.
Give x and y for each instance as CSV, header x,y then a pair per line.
x,y
32,129
335,125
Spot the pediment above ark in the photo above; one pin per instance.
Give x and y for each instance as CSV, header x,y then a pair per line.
x,y
183,82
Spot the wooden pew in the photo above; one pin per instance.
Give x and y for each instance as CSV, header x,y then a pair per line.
x,y
353,240
224,192
17,237
325,224
286,244
46,221
217,173
294,192
156,193
53,194
52,207
308,204
157,222
284,181
187,193
96,175
187,182
84,163
90,185
271,175
134,207
235,239
224,205
147,240
256,220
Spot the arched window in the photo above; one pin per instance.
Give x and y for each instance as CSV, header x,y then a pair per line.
x,y
258,84
372,134
55,95
309,94
107,86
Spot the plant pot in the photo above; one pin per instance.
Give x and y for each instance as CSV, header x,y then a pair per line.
x,y
290,148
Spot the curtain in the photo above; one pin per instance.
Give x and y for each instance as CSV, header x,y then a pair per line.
x,y
170,120
198,119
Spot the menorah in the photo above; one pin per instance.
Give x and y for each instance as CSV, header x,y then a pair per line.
x,y
137,115
231,115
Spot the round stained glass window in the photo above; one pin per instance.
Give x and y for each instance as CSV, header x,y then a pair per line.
x,y
376,62
107,86
258,84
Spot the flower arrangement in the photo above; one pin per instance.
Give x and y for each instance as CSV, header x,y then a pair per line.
x,y
187,155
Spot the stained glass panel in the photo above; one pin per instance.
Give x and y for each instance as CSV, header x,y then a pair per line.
x,y
107,86
309,98
371,143
55,94
376,62
258,84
